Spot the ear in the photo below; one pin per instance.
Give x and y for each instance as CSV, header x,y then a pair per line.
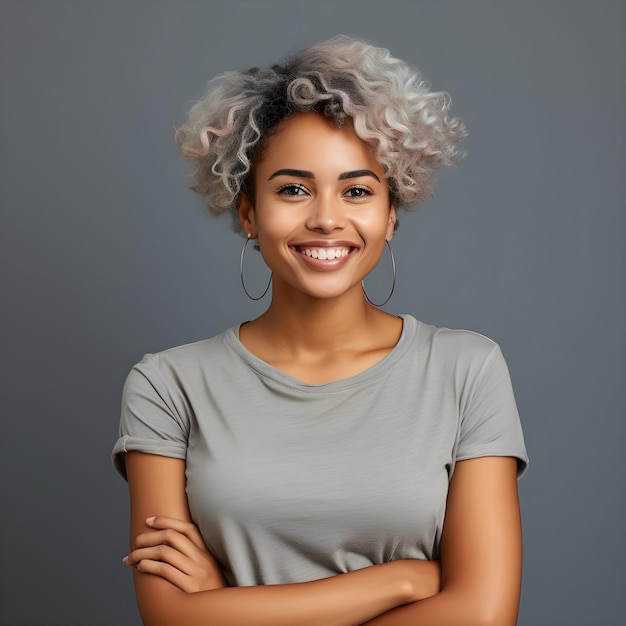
x,y
246,214
391,223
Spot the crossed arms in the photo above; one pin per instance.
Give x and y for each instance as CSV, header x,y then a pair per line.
x,y
477,583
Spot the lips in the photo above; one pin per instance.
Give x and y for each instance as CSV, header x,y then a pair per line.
x,y
327,255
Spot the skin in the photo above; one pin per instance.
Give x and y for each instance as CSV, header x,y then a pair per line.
x,y
319,187
319,327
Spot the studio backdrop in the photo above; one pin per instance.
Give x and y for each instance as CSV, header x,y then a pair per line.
x,y
107,255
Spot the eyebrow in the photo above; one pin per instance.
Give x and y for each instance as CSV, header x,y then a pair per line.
x,y
290,172
307,174
357,174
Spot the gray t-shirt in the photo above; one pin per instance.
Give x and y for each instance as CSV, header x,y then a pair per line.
x,y
290,482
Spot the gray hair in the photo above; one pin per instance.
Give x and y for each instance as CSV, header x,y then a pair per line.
x,y
389,103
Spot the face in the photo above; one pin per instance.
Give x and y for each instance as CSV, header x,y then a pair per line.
x,y
321,209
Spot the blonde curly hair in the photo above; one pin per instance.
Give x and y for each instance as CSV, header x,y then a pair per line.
x,y
389,103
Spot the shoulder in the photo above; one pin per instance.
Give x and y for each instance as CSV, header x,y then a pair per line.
x,y
173,372
186,358
454,357
440,344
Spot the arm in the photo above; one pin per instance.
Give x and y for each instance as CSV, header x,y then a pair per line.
x,y
157,485
481,552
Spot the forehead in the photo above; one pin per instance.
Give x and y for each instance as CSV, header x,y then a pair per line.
x,y
311,141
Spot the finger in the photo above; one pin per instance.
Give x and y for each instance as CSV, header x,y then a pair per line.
x,y
171,538
189,529
168,572
164,554
175,539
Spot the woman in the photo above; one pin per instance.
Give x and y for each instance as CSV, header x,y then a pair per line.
x,y
326,463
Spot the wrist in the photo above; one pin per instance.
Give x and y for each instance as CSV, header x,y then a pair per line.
x,y
418,579
402,581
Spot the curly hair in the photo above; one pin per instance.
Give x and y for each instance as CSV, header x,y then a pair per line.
x,y
391,108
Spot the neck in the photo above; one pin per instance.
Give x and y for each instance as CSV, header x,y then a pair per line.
x,y
298,323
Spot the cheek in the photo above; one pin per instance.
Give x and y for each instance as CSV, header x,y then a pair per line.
x,y
374,224
274,225
274,228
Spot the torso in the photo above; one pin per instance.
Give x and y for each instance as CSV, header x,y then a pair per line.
x,y
290,480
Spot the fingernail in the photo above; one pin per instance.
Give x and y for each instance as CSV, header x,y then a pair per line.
x,y
150,520
125,560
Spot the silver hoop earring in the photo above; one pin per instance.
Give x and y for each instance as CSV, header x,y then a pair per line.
x,y
243,283
393,283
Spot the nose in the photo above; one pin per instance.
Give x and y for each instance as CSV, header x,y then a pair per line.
x,y
326,215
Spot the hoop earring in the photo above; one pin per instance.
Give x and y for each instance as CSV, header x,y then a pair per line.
x,y
243,283
393,283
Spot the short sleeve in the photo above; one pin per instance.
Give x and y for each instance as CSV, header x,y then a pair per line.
x,y
150,421
490,424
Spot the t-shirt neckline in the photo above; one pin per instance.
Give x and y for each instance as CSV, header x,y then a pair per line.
x,y
267,371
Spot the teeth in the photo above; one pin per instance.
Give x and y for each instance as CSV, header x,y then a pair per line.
x,y
325,253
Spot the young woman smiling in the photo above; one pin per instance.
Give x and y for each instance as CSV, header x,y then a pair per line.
x,y
326,463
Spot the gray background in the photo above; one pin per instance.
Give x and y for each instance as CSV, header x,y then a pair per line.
x,y
107,255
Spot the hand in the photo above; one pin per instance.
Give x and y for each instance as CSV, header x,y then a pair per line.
x,y
176,552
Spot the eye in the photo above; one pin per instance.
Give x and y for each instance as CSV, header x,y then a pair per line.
x,y
292,190
358,192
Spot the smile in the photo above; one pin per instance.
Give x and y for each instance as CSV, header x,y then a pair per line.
x,y
324,253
